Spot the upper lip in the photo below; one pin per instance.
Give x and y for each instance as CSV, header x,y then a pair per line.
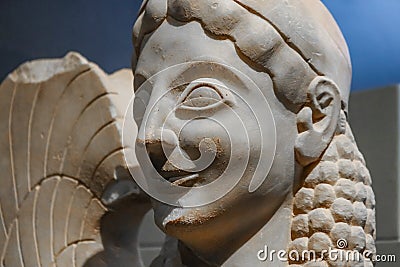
x,y
172,176
180,177
170,172
187,180
177,176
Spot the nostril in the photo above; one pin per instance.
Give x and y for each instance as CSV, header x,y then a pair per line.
x,y
159,143
156,154
165,164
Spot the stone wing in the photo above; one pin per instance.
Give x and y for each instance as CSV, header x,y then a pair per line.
x,y
60,144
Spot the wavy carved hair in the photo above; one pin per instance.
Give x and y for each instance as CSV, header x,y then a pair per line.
x,y
271,40
336,200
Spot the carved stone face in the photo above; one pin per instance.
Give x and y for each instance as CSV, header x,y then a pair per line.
x,y
263,94
205,85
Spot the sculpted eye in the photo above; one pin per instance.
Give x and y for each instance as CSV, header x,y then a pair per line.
x,y
204,94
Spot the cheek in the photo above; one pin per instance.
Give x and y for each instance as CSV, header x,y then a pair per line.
x,y
236,142
282,174
193,132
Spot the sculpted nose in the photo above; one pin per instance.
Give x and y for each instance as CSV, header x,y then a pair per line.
x,y
158,133
154,134
151,127
158,143
157,139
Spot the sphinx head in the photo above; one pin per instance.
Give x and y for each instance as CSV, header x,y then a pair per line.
x,y
260,82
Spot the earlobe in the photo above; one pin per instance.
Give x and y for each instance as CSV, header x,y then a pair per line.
x,y
317,122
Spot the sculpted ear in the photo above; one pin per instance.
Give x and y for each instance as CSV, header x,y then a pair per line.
x,y
317,122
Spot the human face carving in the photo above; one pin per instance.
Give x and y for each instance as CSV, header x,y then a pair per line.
x,y
199,90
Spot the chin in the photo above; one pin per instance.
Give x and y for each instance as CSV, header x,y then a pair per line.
x,y
176,220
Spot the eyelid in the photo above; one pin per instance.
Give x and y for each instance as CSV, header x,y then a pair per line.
x,y
219,87
191,87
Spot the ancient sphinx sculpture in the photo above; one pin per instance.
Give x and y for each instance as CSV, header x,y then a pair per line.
x,y
242,143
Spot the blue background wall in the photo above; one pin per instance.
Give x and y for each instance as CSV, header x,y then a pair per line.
x,y
101,31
